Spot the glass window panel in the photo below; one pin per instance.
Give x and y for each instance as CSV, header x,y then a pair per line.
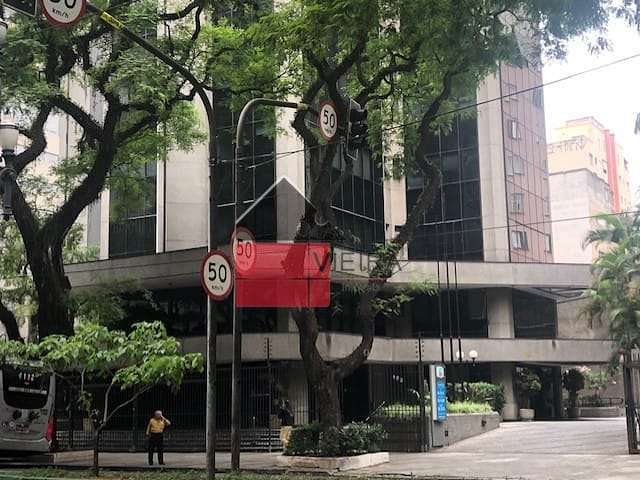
x,y
469,132
473,239
415,182
449,141
471,199
264,177
337,160
367,160
225,145
470,164
433,142
450,167
263,143
357,166
452,206
358,195
226,192
434,214
369,209
337,198
347,195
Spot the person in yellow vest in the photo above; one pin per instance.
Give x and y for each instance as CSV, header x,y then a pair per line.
x,y
155,433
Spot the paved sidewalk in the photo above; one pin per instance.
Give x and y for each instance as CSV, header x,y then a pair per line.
x,y
579,450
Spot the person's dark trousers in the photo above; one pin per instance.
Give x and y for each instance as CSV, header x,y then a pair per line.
x,y
155,444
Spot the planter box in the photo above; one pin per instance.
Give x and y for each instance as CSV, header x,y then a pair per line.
x,y
527,414
601,412
333,463
466,425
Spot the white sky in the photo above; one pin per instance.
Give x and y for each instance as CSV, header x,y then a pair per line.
x,y
611,95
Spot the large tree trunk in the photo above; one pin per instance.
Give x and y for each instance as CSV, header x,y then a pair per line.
x,y
8,319
329,407
52,287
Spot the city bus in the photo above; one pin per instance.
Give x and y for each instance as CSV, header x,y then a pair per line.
x,y
26,410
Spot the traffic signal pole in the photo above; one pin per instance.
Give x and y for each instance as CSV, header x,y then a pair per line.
x,y
210,420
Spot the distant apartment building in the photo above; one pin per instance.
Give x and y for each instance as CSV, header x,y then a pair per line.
x,y
589,174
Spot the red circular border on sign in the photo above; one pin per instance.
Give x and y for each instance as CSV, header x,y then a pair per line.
x,y
204,285
233,237
62,24
327,102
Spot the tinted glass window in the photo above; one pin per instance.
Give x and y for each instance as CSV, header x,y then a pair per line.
x,y
23,388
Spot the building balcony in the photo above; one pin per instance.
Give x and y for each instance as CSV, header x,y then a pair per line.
x,y
333,346
181,269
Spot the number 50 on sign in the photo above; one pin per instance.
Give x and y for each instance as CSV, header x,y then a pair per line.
x,y
216,275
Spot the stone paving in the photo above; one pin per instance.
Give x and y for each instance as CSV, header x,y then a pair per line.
x,y
571,450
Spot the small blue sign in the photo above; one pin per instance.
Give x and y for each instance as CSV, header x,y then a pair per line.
x,y
440,393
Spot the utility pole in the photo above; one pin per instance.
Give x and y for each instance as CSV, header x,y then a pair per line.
x,y
117,25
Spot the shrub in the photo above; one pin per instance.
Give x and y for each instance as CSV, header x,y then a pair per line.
x,y
573,382
303,440
404,412
352,439
482,392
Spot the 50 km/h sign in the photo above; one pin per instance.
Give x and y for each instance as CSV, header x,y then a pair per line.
x,y
63,13
243,246
216,275
328,120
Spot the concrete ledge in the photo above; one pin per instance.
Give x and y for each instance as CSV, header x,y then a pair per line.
x,y
460,426
601,412
333,463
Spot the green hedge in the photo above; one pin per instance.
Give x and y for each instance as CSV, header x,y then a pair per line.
x,y
468,407
352,439
406,411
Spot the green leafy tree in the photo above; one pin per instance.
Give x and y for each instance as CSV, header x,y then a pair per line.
x,y
144,110
133,363
614,298
527,384
407,62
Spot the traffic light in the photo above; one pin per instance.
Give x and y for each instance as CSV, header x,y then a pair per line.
x,y
357,134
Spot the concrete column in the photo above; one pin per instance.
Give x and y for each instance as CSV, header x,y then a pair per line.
x,y
500,313
502,373
492,172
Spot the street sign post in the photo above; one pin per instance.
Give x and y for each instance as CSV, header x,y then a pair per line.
x,y
216,275
438,382
328,120
63,13
28,7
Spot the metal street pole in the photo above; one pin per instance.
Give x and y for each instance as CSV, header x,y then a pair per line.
x,y
117,25
237,322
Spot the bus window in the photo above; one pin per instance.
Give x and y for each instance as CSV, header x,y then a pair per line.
x,y
24,389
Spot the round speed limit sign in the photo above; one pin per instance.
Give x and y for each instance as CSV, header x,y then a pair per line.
x,y
63,13
243,246
216,275
328,120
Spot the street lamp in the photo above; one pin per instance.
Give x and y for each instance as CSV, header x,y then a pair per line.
x,y
473,355
8,142
236,363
